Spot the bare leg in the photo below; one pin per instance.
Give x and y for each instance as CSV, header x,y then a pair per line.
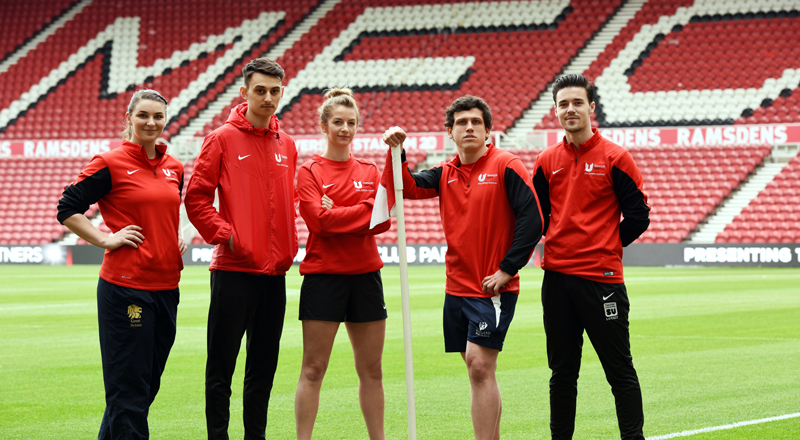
x,y
486,404
318,337
367,340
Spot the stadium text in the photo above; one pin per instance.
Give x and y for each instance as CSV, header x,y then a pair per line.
x,y
739,135
21,254
316,144
202,254
696,136
415,254
58,148
634,138
434,254
739,254
83,148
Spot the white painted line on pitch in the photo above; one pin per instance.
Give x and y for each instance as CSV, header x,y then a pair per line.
x,y
723,427
725,338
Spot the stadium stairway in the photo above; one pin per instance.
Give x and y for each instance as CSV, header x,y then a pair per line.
x,y
544,103
229,96
733,206
771,217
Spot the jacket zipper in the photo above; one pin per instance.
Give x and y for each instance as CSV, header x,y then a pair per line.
x,y
270,263
575,167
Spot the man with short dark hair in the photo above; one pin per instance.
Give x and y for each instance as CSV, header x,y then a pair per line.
x,y
492,222
584,183
251,163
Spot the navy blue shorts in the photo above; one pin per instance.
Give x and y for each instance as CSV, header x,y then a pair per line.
x,y
339,298
482,321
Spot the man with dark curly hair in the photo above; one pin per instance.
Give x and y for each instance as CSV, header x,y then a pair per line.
x,y
492,221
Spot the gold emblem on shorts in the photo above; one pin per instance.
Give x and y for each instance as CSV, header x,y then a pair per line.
x,y
134,311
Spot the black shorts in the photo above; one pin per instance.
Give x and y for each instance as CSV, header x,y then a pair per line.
x,y
339,298
482,321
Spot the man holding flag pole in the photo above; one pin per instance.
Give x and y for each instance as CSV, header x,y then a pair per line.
x,y
492,221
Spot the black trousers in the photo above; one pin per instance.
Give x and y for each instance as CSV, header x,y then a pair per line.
x,y
137,330
243,303
571,305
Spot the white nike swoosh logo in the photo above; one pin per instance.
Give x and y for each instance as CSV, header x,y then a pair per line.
x,y
450,181
131,172
557,170
244,157
607,297
331,184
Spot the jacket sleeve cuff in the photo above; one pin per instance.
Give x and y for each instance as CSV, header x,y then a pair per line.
x,y
222,235
508,269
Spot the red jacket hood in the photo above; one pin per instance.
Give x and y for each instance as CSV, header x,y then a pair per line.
x,y
254,170
238,119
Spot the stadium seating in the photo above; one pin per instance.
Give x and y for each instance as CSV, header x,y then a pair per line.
x,y
16,32
158,54
772,216
422,110
67,71
527,155
785,108
29,194
181,62
685,184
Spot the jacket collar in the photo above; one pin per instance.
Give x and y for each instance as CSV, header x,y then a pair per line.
x,y
586,146
337,163
456,161
137,149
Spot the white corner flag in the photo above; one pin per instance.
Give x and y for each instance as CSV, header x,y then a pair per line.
x,y
388,202
384,207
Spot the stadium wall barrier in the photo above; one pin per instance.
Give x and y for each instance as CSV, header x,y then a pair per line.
x,y
679,254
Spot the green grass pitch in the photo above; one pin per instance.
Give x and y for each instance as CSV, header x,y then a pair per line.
x,y
713,347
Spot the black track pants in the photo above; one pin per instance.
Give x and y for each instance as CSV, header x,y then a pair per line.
x,y
243,303
137,330
571,305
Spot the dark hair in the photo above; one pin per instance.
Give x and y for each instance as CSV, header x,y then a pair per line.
x,y
264,66
152,95
337,96
574,80
468,102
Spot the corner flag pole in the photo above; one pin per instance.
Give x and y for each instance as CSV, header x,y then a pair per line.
x,y
401,248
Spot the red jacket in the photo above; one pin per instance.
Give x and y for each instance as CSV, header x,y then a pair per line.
x,y
130,189
253,169
340,241
491,217
582,194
